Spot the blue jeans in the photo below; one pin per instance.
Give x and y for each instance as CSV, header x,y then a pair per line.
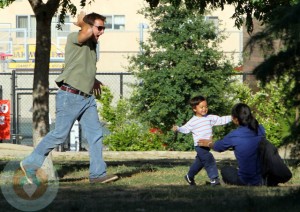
x,y
69,108
230,175
205,159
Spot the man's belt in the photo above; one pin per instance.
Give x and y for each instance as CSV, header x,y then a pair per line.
x,y
74,90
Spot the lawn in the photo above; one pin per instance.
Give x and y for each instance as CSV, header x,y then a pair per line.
x,y
158,185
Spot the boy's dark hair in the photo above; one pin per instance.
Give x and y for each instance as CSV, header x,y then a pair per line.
x,y
90,18
196,100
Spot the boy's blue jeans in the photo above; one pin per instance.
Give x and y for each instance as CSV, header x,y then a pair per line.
x,y
69,108
205,159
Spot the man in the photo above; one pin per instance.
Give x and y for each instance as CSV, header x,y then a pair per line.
x,y
74,101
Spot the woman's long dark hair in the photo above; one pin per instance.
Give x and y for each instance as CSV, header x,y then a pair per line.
x,y
244,115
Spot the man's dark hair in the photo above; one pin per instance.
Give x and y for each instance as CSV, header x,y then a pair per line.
x,y
90,18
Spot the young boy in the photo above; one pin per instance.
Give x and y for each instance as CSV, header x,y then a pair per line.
x,y
201,127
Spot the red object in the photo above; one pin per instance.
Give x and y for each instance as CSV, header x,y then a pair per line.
x,y
155,131
239,68
4,119
4,55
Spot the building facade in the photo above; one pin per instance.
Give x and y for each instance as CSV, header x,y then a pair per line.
x,y
125,30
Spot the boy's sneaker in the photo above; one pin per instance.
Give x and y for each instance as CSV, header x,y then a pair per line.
x,y
29,174
189,180
215,182
105,179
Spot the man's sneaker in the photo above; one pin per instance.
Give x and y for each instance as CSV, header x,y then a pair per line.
x,y
29,174
215,182
105,179
189,180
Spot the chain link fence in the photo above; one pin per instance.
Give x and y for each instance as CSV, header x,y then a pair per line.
x,y
17,87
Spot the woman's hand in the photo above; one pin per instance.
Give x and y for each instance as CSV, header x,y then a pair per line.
x,y
205,143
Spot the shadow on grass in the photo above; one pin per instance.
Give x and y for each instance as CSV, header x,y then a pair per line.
x,y
141,165
64,170
177,198
161,197
112,197
138,166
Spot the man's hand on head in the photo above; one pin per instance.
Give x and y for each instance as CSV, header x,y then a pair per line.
x,y
80,21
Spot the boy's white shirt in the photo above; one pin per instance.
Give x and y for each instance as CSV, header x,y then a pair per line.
x,y
201,127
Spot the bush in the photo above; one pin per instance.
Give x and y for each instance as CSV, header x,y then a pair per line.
x,y
126,134
134,137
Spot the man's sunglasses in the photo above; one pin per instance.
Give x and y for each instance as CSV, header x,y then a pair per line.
x,y
100,28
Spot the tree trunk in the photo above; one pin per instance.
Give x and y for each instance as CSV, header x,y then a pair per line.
x,y
41,78
40,95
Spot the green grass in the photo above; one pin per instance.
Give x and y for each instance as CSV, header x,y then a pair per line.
x,y
158,185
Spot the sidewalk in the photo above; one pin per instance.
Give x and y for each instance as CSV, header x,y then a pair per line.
x,y
16,151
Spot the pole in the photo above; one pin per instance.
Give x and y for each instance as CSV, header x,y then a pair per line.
x,y
121,85
13,106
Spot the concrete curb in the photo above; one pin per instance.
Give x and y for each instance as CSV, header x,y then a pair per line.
x,y
16,151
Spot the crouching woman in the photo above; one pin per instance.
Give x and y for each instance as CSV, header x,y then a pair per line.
x,y
244,141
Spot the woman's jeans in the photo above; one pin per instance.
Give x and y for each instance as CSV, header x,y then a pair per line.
x,y
69,108
205,159
230,175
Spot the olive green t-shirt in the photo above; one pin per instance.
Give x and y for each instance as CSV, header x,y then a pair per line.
x,y
80,64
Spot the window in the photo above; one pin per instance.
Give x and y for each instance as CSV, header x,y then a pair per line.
x,y
65,28
119,22
32,29
28,23
115,22
108,22
214,20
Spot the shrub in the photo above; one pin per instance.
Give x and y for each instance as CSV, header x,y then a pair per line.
x,y
126,134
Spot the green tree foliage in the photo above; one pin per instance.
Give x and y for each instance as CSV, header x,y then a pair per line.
x,y
279,39
244,13
181,59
